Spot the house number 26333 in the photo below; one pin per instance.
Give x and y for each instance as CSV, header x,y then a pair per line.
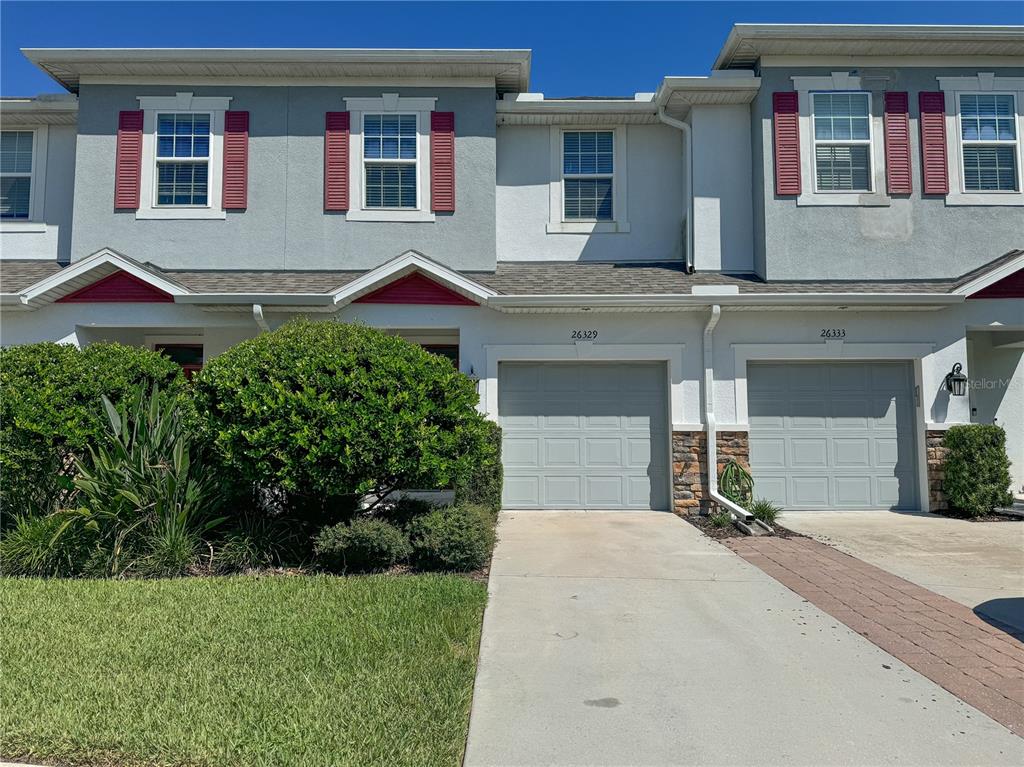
x,y
833,332
584,335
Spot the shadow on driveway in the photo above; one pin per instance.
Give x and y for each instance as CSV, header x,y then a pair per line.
x,y
1004,614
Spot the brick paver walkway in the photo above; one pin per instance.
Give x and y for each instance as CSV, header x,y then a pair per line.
x,y
981,664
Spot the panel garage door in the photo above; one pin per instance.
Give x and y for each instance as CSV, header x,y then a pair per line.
x,y
833,436
584,435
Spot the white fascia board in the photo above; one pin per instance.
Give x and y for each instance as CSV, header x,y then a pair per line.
x,y
990,278
99,258
746,87
576,106
404,264
743,299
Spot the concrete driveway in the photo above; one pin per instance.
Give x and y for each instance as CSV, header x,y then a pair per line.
x,y
978,564
630,639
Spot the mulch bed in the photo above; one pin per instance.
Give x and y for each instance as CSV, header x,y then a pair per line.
x,y
704,524
994,517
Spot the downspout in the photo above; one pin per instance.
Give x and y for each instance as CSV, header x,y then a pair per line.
x,y
743,517
257,314
688,194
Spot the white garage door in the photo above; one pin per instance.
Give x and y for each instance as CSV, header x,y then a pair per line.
x,y
584,435
833,436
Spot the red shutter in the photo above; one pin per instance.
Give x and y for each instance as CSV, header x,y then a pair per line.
x,y
934,168
442,161
236,160
897,143
128,164
787,142
336,161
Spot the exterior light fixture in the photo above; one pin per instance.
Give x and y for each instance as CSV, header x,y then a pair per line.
x,y
473,376
956,381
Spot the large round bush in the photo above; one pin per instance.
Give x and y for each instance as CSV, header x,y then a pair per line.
x,y
977,469
51,409
363,545
326,410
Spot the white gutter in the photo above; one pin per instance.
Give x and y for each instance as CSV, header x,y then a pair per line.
x,y
688,195
738,512
284,299
257,314
740,299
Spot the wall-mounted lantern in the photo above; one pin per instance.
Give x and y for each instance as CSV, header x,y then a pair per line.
x,y
956,381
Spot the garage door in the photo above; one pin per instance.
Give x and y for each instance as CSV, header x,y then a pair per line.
x,y
584,435
833,436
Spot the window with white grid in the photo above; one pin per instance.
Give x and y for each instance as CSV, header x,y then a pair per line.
x,y
183,159
390,161
16,174
842,141
588,175
988,136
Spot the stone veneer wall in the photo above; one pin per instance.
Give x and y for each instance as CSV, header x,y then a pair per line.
x,y
690,466
936,457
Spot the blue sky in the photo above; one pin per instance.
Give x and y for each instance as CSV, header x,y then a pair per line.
x,y
581,48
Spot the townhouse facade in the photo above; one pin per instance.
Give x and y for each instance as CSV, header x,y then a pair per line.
x,y
809,260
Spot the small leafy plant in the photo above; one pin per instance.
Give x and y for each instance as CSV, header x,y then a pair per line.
x,y
362,545
454,538
720,519
765,510
736,483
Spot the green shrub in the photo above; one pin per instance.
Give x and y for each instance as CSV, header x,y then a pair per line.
x,y
720,519
458,538
50,411
28,547
257,541
977,469
482,484
362,545
736,483
326,409
765,510
144,491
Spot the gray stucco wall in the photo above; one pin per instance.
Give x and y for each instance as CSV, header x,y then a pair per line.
x,y
285,226
916,237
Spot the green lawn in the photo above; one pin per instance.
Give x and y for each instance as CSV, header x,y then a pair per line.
x,y
239,671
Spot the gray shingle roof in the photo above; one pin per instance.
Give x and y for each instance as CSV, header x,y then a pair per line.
x,y
18,274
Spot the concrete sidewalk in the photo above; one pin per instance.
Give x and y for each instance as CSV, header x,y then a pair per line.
x,y
978,564
630,639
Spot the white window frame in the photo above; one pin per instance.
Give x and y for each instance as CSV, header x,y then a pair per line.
x,y
984,83
415,162
810,196
37,182
557,223
389,103
182,103
816,142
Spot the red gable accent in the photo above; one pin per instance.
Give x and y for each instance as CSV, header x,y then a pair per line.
x,y
1011,286
336,135
118,288
236,161
415,288
933,142
128,160
897,143
442,161
787,142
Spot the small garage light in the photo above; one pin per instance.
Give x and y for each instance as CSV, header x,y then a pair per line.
x,y
956,381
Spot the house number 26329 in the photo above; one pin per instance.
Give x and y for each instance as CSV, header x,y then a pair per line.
x,y
833,332
584,335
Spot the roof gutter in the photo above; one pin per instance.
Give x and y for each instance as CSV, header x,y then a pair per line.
x,y
268,299
684,300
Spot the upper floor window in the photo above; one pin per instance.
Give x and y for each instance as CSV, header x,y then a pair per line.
x,y
842,142
390,161
588,167
16,153
183,158
988,136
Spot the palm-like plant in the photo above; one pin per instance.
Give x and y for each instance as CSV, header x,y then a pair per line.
x,y
145,496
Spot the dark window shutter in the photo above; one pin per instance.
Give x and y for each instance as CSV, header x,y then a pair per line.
x,y
897,143
442,161
787,142
934,163
336,137
128,163
236,160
